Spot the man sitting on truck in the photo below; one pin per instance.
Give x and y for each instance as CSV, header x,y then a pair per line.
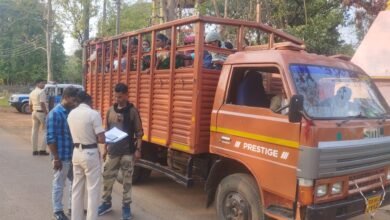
x,y
214,39
251,90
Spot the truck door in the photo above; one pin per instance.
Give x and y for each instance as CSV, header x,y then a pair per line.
x,y
248,131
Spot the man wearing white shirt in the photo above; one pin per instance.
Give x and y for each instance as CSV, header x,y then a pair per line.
x,y
86,128
37,103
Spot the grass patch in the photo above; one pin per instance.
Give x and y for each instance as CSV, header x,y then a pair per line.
x,y
3,100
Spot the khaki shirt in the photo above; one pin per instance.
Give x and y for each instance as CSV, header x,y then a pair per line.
x,y
84,124
36,97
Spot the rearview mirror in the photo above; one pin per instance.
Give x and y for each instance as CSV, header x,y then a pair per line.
x,y
296,107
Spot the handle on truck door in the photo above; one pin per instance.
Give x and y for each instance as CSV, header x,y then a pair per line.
x,y
225,138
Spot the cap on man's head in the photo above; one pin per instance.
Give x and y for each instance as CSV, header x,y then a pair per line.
x,y
212,36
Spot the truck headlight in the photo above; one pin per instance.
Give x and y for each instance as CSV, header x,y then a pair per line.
x,y
321,190
337,188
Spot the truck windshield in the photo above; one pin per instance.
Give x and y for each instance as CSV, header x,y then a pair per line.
x,y
331,92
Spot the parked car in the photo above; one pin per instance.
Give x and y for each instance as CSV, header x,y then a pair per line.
x,y
53,92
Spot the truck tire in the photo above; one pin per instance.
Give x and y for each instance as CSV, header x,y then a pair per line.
x,y
238,198
25,108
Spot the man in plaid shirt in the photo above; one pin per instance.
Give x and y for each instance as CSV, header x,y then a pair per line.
x,y
60,143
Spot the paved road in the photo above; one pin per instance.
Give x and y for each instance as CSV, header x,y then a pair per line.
x,y
25,185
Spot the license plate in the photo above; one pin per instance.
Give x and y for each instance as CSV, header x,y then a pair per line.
x,y
373,203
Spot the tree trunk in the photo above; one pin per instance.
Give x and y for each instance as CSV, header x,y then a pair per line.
x,y
118,15
216,8
163,5
170,10
225,12
86,15
258,11
48,40
197,7
104,17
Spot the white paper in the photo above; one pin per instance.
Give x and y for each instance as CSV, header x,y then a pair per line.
x,y
114,135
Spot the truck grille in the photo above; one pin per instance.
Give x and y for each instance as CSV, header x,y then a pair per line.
x,y
366,181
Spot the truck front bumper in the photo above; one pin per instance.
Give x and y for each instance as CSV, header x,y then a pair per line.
x,y
344,209
14,104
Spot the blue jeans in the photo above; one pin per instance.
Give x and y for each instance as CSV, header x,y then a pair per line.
x,y
59,180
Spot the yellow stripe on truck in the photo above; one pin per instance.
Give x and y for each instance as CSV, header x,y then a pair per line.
x,y
272,140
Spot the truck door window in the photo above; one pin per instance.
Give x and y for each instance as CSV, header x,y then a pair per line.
x,y
256,87
60,91
50,91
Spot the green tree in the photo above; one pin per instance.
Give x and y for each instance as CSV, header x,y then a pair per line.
x,y
58,56
133,16
21,41
73,68
319,28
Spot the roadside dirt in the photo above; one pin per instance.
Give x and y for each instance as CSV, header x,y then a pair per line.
x,y
15,122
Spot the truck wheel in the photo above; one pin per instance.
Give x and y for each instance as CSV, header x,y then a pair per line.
x,y
25,108
238,198
140,174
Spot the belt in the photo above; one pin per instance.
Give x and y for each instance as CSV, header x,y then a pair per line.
x,y
85,146
39,111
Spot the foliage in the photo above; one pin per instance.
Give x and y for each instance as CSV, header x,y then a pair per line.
x,y
133,16
73,69
21,36
22,42
318,29
365,12
74,14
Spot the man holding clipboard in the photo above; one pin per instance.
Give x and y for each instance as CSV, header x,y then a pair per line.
x,y
121,154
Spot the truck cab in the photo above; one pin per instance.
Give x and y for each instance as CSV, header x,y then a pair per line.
x,y
324,166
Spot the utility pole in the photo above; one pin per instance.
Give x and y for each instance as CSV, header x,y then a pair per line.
x,y
104,17
86,17
118,15
48,40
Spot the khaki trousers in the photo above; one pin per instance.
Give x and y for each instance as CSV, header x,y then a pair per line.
x,y
86,174
110,173
38,130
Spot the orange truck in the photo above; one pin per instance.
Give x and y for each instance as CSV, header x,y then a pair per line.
x,y
272,132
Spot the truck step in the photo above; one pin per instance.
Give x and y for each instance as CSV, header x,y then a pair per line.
x,y
185,180
280,211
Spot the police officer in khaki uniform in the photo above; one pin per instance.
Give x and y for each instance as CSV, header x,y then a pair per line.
x,y
37,103
86,128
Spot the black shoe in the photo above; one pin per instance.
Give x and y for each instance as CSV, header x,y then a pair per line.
x,y
35,153
60,216
43,153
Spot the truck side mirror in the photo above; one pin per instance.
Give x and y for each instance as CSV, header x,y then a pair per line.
x,y
295,109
